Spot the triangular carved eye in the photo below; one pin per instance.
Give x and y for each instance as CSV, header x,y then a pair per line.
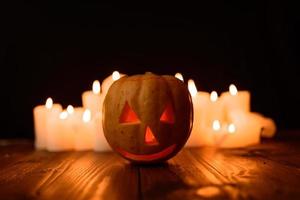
x,y
128,115
168,115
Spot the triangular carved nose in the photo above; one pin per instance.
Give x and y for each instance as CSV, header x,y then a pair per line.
x,y
149,137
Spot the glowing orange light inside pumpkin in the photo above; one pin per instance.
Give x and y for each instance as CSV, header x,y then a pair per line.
x,y
168,115
128,115
147,157
149,137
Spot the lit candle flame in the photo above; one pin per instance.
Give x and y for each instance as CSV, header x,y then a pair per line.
x,y
115,75
233,90
63,115
96,87
86,117
179,76
192,87
70,109
216,125
213,96
49,103
231,128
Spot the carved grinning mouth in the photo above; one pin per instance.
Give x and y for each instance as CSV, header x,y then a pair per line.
x,y
147,157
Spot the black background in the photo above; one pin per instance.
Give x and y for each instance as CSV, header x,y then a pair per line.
x,y
58,50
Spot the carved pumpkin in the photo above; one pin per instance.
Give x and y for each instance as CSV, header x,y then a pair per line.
x,y
147,118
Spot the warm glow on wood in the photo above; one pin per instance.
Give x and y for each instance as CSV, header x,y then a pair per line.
x,y
96,87
208,191
49,103
128,115
179,76
192,87
233,90
213,96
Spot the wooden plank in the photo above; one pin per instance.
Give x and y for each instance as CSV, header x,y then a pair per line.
x,y
252,176
12,151
267,171
69,175
180,178
17,179
286,153
259,172
92,176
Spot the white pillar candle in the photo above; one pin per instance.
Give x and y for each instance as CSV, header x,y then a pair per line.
x,y
60,136
243,130
215,109
179,76
200,100
74,116
100,143
217,133
92,99
236,100
268,126
85,131
41,115
82,129
107,82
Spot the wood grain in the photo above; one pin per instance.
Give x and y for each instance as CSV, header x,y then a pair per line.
x,y
270,170
68,175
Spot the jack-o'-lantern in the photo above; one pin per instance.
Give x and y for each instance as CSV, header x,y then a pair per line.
x,y
147,118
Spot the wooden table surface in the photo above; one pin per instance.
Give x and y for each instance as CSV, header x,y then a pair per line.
x,y
270,170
